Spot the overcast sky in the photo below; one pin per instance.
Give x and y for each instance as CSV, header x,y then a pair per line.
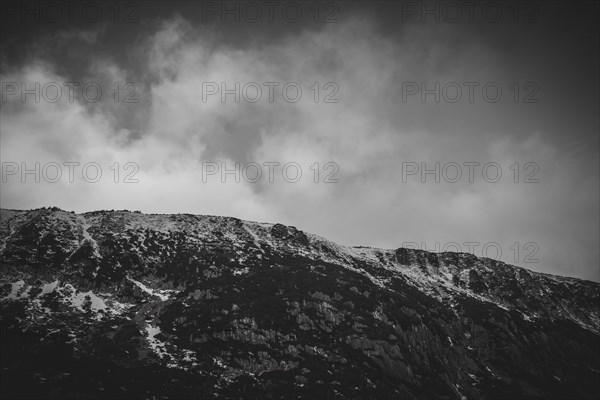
x,y
370,61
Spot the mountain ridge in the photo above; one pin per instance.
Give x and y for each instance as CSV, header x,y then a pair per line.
x,y
281,308
315,235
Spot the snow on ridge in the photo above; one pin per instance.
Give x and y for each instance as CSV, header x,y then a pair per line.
x,y
77,299
49,288
86,235
158,223
241,271
252,233
159,347
152,292
69,293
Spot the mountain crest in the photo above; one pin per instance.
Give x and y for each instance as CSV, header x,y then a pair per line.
x,y
192,305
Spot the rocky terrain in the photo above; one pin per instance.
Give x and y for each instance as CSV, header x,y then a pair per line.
x,y
119,304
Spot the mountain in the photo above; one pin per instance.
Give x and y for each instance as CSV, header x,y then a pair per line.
x,y
118,304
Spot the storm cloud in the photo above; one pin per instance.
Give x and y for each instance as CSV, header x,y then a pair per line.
x,y
373,130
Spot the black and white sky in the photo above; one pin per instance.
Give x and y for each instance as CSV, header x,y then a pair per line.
x,y
527,108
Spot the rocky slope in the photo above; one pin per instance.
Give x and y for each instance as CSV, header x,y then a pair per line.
x,y
127,305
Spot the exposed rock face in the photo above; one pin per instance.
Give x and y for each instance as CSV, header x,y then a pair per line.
x,y
127,305
290,233
279,231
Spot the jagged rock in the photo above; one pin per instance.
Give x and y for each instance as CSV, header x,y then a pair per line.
x,y
279,231
402,256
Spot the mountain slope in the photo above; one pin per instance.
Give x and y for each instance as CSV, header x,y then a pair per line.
x,y
123,304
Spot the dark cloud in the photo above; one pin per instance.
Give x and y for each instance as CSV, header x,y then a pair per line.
x,y
370,133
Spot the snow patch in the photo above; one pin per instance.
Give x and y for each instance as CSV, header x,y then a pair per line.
x,y
78,298
241,271
157,346
87,237
15,290
253,234
49,287
162,294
